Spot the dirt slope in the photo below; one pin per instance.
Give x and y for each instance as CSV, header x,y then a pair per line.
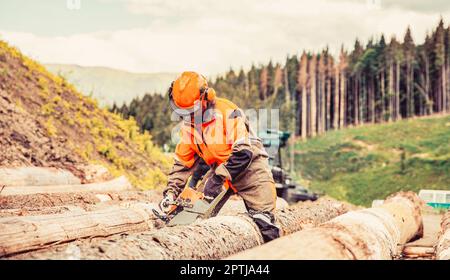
x,y
45,121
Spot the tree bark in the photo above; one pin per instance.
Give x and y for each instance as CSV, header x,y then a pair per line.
x,y
118,184
36,176
32,202
365,234
19,234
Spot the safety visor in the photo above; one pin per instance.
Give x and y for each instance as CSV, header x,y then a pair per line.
x,y
184,112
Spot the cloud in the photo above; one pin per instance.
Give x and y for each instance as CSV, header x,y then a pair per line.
x,y
212,37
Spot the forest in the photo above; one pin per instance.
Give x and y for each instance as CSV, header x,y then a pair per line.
x,y
384,80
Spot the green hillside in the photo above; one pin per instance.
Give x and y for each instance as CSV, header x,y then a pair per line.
x,y
370,162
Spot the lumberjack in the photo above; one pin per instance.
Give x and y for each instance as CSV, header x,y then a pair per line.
x,y
217,148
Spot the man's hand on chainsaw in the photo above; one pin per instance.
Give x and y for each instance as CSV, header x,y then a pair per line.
x,y
214,186
166,203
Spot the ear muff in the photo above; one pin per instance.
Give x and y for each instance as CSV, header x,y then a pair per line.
x,y
209,94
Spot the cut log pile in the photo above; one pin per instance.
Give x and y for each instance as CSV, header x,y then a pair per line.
x,y
443,246
213,238
365,234
107,220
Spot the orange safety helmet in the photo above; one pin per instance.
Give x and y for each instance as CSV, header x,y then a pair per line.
x,y
187,90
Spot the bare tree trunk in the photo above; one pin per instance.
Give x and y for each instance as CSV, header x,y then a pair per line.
x,y
383,96
342,98
362,235
328,103
429,105
304,111
444,90
336,99
397,92
371,97
391,93
356,94
448,83
312,82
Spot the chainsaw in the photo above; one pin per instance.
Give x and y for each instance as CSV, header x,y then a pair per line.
x,y
192,204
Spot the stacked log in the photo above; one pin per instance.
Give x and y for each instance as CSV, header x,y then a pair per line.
x,y
213,238
365,234
36,176
19,234
443,246
118,184
31,202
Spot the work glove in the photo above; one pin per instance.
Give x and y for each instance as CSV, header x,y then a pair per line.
x,y
166,203
214,186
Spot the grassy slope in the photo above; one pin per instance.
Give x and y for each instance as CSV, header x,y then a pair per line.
x,y
88,132
370,162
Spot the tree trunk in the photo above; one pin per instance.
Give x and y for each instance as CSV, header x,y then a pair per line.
x,y
371,97
342,98
328,103
304,111
391,93
336,99
365,234
32,202
397,92
429,105
443,246
36,176
444,90
118,184
356,94
312,81
382,99
323,114
19,234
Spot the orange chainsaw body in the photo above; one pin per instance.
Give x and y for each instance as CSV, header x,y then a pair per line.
x,y
189,196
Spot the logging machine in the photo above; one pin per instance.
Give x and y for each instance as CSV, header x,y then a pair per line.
x,y
273,141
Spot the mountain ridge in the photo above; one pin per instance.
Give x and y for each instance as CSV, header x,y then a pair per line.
x,y
111,85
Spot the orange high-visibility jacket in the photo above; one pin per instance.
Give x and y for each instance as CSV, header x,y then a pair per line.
x,y
214,140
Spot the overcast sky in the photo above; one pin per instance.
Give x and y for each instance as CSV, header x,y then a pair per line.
x,y
203,35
